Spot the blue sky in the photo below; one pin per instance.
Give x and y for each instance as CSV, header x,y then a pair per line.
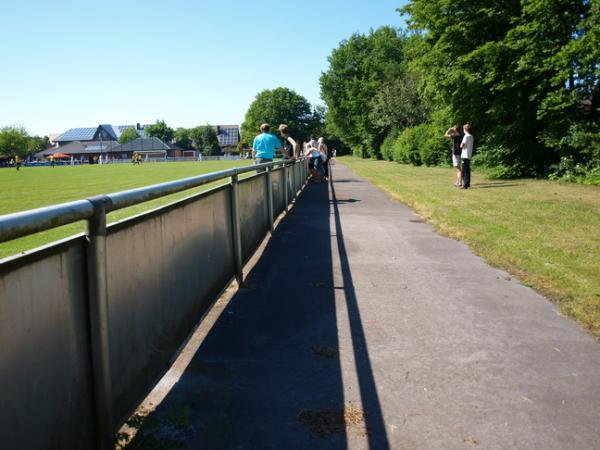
x,y
81,63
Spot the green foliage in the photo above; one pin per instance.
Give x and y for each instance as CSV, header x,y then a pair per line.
x,y
397,104
569,170
406,148
13,141
160,130
205,140
183,138
423,144
387,147
524,72
37,144
358,69
128,135
280,105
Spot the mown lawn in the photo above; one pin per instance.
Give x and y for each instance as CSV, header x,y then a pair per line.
x,y
34,187
547,233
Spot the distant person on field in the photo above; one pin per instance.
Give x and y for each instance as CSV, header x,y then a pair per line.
x,y
265,145
457,137
289,143
467,152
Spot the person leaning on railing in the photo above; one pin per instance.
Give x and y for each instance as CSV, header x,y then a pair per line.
x,y
265,145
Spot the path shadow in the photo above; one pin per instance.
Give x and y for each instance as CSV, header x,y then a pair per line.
x,y
269,366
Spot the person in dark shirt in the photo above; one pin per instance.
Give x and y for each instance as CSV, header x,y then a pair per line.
x,y
289,143
455,134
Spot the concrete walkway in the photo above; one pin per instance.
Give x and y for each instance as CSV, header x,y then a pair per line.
x,y
356,306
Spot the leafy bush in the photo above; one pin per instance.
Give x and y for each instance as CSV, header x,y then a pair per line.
x,y
387,148
423,144
406,148
568,170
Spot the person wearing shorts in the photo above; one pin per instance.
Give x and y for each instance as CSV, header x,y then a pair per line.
x,y
456,136
315,163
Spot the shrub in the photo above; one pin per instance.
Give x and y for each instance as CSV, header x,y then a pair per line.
x,y
423,144
406,148
387,148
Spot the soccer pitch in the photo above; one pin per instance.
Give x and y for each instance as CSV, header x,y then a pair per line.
x,y
34,187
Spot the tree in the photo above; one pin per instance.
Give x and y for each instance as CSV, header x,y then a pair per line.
x,y
128,135
519,69
397,104
13,141
37,144
205,140
358,69
280,105
160,130
183,138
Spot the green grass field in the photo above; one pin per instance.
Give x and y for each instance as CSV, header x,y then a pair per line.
x,y
34,187
547,233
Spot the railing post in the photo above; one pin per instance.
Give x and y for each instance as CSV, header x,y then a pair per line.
x,y
293,180
98,315
270,197
285,187
237,234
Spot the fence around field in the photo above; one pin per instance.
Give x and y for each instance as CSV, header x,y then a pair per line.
x,y
88,324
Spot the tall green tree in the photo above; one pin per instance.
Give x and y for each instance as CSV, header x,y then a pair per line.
x,y
358,69
13,141
160,130
37,144
205,140
183,138
276,106
128,135
501,65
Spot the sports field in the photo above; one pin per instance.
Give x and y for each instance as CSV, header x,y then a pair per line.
x,y
34,187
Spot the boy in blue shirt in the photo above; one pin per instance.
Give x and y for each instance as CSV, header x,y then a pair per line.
x,y
265,145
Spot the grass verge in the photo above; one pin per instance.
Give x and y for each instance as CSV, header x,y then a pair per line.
x,y
545,232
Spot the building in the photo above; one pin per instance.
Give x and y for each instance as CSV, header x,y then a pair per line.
x,y
228,136
102,133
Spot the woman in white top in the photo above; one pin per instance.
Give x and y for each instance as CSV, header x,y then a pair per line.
x,y
315,164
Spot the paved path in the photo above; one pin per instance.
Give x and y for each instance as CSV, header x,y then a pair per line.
x,y
355,304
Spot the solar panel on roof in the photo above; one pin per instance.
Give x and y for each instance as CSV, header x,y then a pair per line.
x,y
77,134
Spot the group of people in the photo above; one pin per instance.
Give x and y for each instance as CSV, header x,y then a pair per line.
x,y
462,151
265,146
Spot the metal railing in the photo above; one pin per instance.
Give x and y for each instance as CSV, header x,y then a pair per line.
x,y
94,211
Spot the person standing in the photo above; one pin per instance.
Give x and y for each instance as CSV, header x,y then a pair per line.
x,y
456,136
265,145
325,156
289,144
466,154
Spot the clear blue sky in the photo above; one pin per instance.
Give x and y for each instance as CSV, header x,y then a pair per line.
x,y
80,63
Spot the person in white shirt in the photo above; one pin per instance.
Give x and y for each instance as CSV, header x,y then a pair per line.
x,y
466,154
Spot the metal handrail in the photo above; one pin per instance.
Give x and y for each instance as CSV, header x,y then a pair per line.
x,y
23,223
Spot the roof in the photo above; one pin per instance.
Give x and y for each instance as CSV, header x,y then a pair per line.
x,y
141,145
77,148
228,135
90,134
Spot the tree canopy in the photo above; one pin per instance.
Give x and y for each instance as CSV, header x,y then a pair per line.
x,y
205,140
160,130
13,141
128,135
525,73
276,106
358,69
